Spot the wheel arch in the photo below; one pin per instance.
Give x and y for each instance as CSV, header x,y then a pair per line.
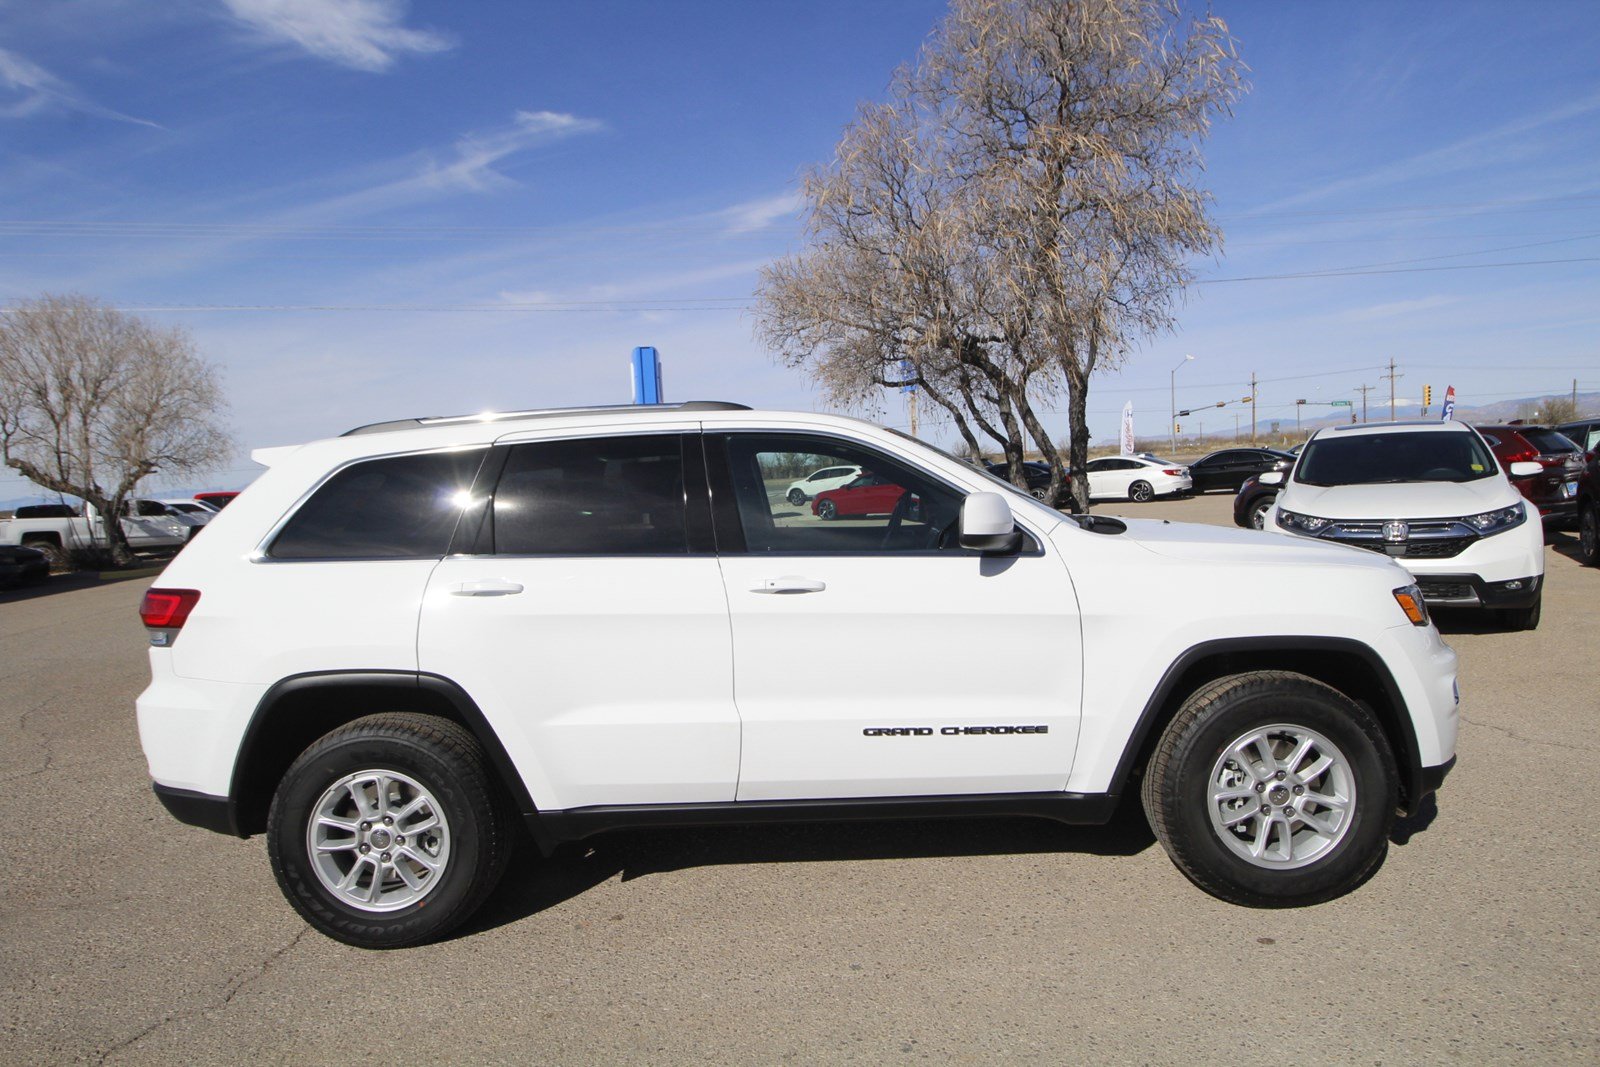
x,y
1351,667
301,708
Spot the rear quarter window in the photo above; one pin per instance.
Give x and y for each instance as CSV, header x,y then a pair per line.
x,y
398,507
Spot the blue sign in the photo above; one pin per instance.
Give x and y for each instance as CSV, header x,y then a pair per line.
x,y
908,371
646,375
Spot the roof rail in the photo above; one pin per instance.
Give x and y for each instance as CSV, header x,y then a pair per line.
x,y
540,413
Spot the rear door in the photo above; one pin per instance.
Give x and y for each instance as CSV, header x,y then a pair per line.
x,y
582,609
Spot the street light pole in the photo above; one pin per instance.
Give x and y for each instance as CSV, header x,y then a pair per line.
x,y
1172,419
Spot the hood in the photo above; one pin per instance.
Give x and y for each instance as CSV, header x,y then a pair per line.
x,y
1224,544
1402,500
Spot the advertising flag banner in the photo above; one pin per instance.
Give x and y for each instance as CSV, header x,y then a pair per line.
x,y
1449,409
1127,428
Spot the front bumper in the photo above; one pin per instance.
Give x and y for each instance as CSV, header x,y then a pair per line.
x,y
1471,591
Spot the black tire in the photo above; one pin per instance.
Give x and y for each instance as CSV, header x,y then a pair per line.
x,y
1140,492
1177,790
54,554
447,761
1258,512
1523,618
1589,534
827,511
796,497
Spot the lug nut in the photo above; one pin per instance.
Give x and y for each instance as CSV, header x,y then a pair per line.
x,y
1260,787
399,840
365,849
387,821
384,857
1281,775
366,826
1299,790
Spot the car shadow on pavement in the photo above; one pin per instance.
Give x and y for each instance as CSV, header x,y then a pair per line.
x,y
1467,621
1567,545
533,884
1406,828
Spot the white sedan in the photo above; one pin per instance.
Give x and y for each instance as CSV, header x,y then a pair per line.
x,y
820,482
1136,478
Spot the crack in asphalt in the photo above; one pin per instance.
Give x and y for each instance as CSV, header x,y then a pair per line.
x,y
42,744
237,986
1516,736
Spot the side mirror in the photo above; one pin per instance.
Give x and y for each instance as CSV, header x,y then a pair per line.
x,y
1525,469
1270,478
987,525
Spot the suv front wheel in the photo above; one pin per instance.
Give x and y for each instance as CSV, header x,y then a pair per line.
x,y
389,831
1271,789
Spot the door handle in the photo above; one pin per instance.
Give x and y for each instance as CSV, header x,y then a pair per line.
x,y
485,587
789,583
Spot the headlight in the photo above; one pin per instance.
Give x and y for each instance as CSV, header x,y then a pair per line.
x,y
1409,597
1493,522
1307,524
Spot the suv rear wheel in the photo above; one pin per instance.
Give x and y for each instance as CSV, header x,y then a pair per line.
x,y
1271,789
389,831
1589,534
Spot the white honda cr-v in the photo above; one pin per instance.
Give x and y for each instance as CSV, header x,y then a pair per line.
x,y
1431,496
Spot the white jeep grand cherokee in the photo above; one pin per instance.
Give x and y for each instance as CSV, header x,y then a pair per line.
x,y
400,644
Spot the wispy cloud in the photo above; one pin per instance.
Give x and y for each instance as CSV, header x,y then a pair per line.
x,y
754,215
1399,308
361,34
475,154
1465,154
28,89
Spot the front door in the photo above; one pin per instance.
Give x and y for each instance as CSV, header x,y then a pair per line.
x,y
588,622
875,657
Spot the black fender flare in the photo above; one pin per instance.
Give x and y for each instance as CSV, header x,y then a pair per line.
x,y
461,705
1416,783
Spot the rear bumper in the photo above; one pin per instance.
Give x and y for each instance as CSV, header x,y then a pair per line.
x,y
198,809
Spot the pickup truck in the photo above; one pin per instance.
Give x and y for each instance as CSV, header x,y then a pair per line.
x,y
57,530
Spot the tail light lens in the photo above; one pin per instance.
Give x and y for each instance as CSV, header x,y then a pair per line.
x,y
1527,455
167,609
1172,472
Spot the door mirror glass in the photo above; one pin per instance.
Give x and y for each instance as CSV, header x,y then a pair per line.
x,y
987,525
1270,478
1525,469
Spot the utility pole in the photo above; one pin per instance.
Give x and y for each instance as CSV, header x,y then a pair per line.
x,y
1364,390
1252,407
1391,376
1235,427
1172,386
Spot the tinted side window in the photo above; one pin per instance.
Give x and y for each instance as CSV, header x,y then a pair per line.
x,y
889,507
401,507
605,496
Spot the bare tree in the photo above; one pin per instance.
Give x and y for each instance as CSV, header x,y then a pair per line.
x,y
1020,214
93,399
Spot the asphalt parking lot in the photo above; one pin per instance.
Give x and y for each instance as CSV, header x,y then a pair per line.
x,y
126,937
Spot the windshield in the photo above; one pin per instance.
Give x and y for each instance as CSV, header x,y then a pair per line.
x,y
1377,458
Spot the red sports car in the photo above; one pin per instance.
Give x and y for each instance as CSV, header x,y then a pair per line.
x,y
866,495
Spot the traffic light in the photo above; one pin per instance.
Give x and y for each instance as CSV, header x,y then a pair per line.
x,y
1427,397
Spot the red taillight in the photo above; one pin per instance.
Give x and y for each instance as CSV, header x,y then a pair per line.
x,y
1173,473
1525,456
167,609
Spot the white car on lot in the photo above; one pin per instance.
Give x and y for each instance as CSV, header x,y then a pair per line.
x,y
820,482
1137,478
1430,496
402,642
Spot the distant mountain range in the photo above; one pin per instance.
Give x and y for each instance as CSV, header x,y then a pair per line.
x,y
1484,414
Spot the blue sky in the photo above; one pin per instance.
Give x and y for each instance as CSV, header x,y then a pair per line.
x,y
367,209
